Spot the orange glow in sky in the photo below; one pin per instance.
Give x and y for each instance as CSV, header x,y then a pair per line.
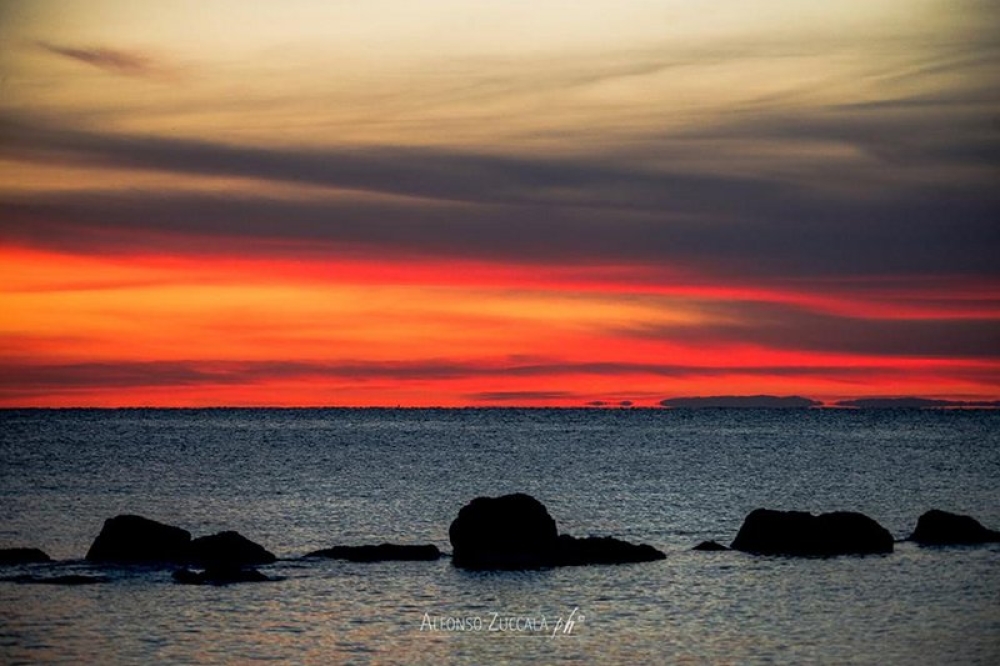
x,y
500,204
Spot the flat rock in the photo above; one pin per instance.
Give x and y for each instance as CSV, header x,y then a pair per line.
x,y
940,528
380,553
133,539
710,546
768,532
23,556
573,551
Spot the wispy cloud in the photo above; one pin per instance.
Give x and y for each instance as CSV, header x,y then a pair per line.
x,y
27,378
114,61
779,326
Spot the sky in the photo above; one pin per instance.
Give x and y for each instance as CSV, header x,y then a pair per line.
x,y
497,203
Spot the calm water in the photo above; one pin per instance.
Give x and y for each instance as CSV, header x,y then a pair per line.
x,y
297,480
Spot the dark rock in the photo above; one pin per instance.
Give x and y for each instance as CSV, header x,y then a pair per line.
x,y
227,549
767,532
940,528
573,551
380,553
219,576
129,538
23,556
517,532
507,532
710,546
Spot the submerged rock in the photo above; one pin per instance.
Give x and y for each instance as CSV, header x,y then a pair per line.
x,y
219,576
68,579
23,556
380,553
710,546
129,538
940,528
767,532
227,549
517,532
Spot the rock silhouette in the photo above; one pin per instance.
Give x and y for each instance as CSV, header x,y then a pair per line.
x,y
23,556
573,551
380,553
227,549
130,538
516,532
137,540
507,532
710,546
768,532
940,528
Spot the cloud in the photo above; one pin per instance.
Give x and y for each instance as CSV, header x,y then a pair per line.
x,y
114,61
19,378
920,206
423,172
520,397
925,236
790,328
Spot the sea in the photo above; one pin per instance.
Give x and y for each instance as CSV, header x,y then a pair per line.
x,y
296,480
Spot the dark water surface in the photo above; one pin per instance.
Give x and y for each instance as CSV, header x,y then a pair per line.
x,y
298,480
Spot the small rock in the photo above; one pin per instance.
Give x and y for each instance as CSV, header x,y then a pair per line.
x,y
23,556
940,528
710,546
380,553
228,549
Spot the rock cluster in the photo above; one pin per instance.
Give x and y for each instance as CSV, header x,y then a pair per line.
x,y
516,532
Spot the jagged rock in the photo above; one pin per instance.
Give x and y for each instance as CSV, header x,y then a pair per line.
x,y
227,549
940,528
380,553
23,556
219,576
710,546
767,532
517,532
129,538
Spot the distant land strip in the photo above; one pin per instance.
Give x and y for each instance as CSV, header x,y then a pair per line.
x,y
799,402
